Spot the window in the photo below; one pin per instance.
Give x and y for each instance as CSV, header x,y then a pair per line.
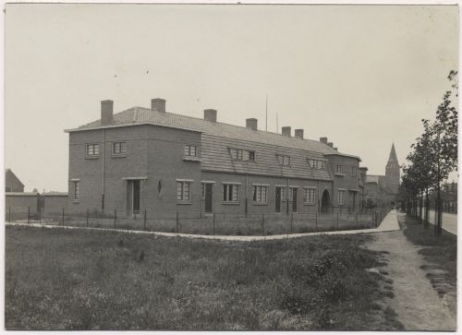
x,y
190,150
316,164
230,193
76,190
119,148
341,197
260,194
92,149
309,196
338,169
183,190
203,191
291,194
353,171
283,159
242,155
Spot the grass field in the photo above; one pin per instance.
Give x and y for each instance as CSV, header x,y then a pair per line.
x,y
78,279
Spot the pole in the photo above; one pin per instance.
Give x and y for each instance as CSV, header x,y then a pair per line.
x,y
337,220
115,218
213,223
144,223
263,223
28,215
86,224
62,222
316,223
9,213
291,222
177,222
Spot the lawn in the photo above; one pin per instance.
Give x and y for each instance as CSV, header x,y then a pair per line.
x,y
80,279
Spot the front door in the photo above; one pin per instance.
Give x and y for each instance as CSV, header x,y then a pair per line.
x,y
278,200
133,197
208,197
294,200
325,202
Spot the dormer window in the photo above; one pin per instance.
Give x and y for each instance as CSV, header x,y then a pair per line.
x,y
316,164
242,155
283,160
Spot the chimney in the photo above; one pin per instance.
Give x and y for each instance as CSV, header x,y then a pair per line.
x,y
107,111
210,115
330,144
335,148
299,133
323,140
286,131
158,104
251,124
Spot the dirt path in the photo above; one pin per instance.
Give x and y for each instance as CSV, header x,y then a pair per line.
x,y
415,301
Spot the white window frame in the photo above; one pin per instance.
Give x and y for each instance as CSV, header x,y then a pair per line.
x,y
339,169
190,150
260,194
76,191
234,193
283,160
122,148
341,196
184,190
92,150
307,193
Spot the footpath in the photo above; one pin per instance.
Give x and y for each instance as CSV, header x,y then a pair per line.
x,y
389,223
415,301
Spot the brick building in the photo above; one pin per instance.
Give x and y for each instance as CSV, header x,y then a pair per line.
x,y
383,189
149,159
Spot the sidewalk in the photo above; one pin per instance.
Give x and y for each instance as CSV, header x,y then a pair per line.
x,y
389,223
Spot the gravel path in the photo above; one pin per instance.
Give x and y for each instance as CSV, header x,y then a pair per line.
x,y
415,301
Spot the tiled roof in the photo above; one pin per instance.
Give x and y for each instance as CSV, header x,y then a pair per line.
x,y
140,115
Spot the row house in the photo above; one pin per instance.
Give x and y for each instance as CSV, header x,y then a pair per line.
x,y
150,159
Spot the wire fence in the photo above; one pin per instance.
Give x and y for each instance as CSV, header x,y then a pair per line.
x,y
204,224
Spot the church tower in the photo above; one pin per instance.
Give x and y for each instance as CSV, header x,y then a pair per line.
x,y
392,171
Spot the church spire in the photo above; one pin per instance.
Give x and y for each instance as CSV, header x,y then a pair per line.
x,y
392,157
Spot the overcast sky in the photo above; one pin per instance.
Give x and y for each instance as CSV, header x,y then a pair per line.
x,y
364,76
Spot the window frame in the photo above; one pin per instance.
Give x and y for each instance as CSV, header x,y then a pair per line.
x,y
257,194
341,197
243,155
181,191
229,193
92,147
306,192
188,148
282,159
122,145
76,191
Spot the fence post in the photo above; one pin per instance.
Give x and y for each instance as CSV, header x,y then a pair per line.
x,y
337,220
40,216
356,219
213,223
62,222
86,223
177,222
115,217
291,223
316,223
28,215
263,223
145,218
9,213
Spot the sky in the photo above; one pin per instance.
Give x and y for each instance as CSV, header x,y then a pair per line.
x,y
362,75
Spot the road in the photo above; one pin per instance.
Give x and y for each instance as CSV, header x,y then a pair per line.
x,y
449,221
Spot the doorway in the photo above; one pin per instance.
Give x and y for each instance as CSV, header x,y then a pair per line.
x,y
294,200
278,199
208,198
133,197
325,202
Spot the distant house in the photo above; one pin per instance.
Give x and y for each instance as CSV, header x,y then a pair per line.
x,y
382,190
12,183
149,159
